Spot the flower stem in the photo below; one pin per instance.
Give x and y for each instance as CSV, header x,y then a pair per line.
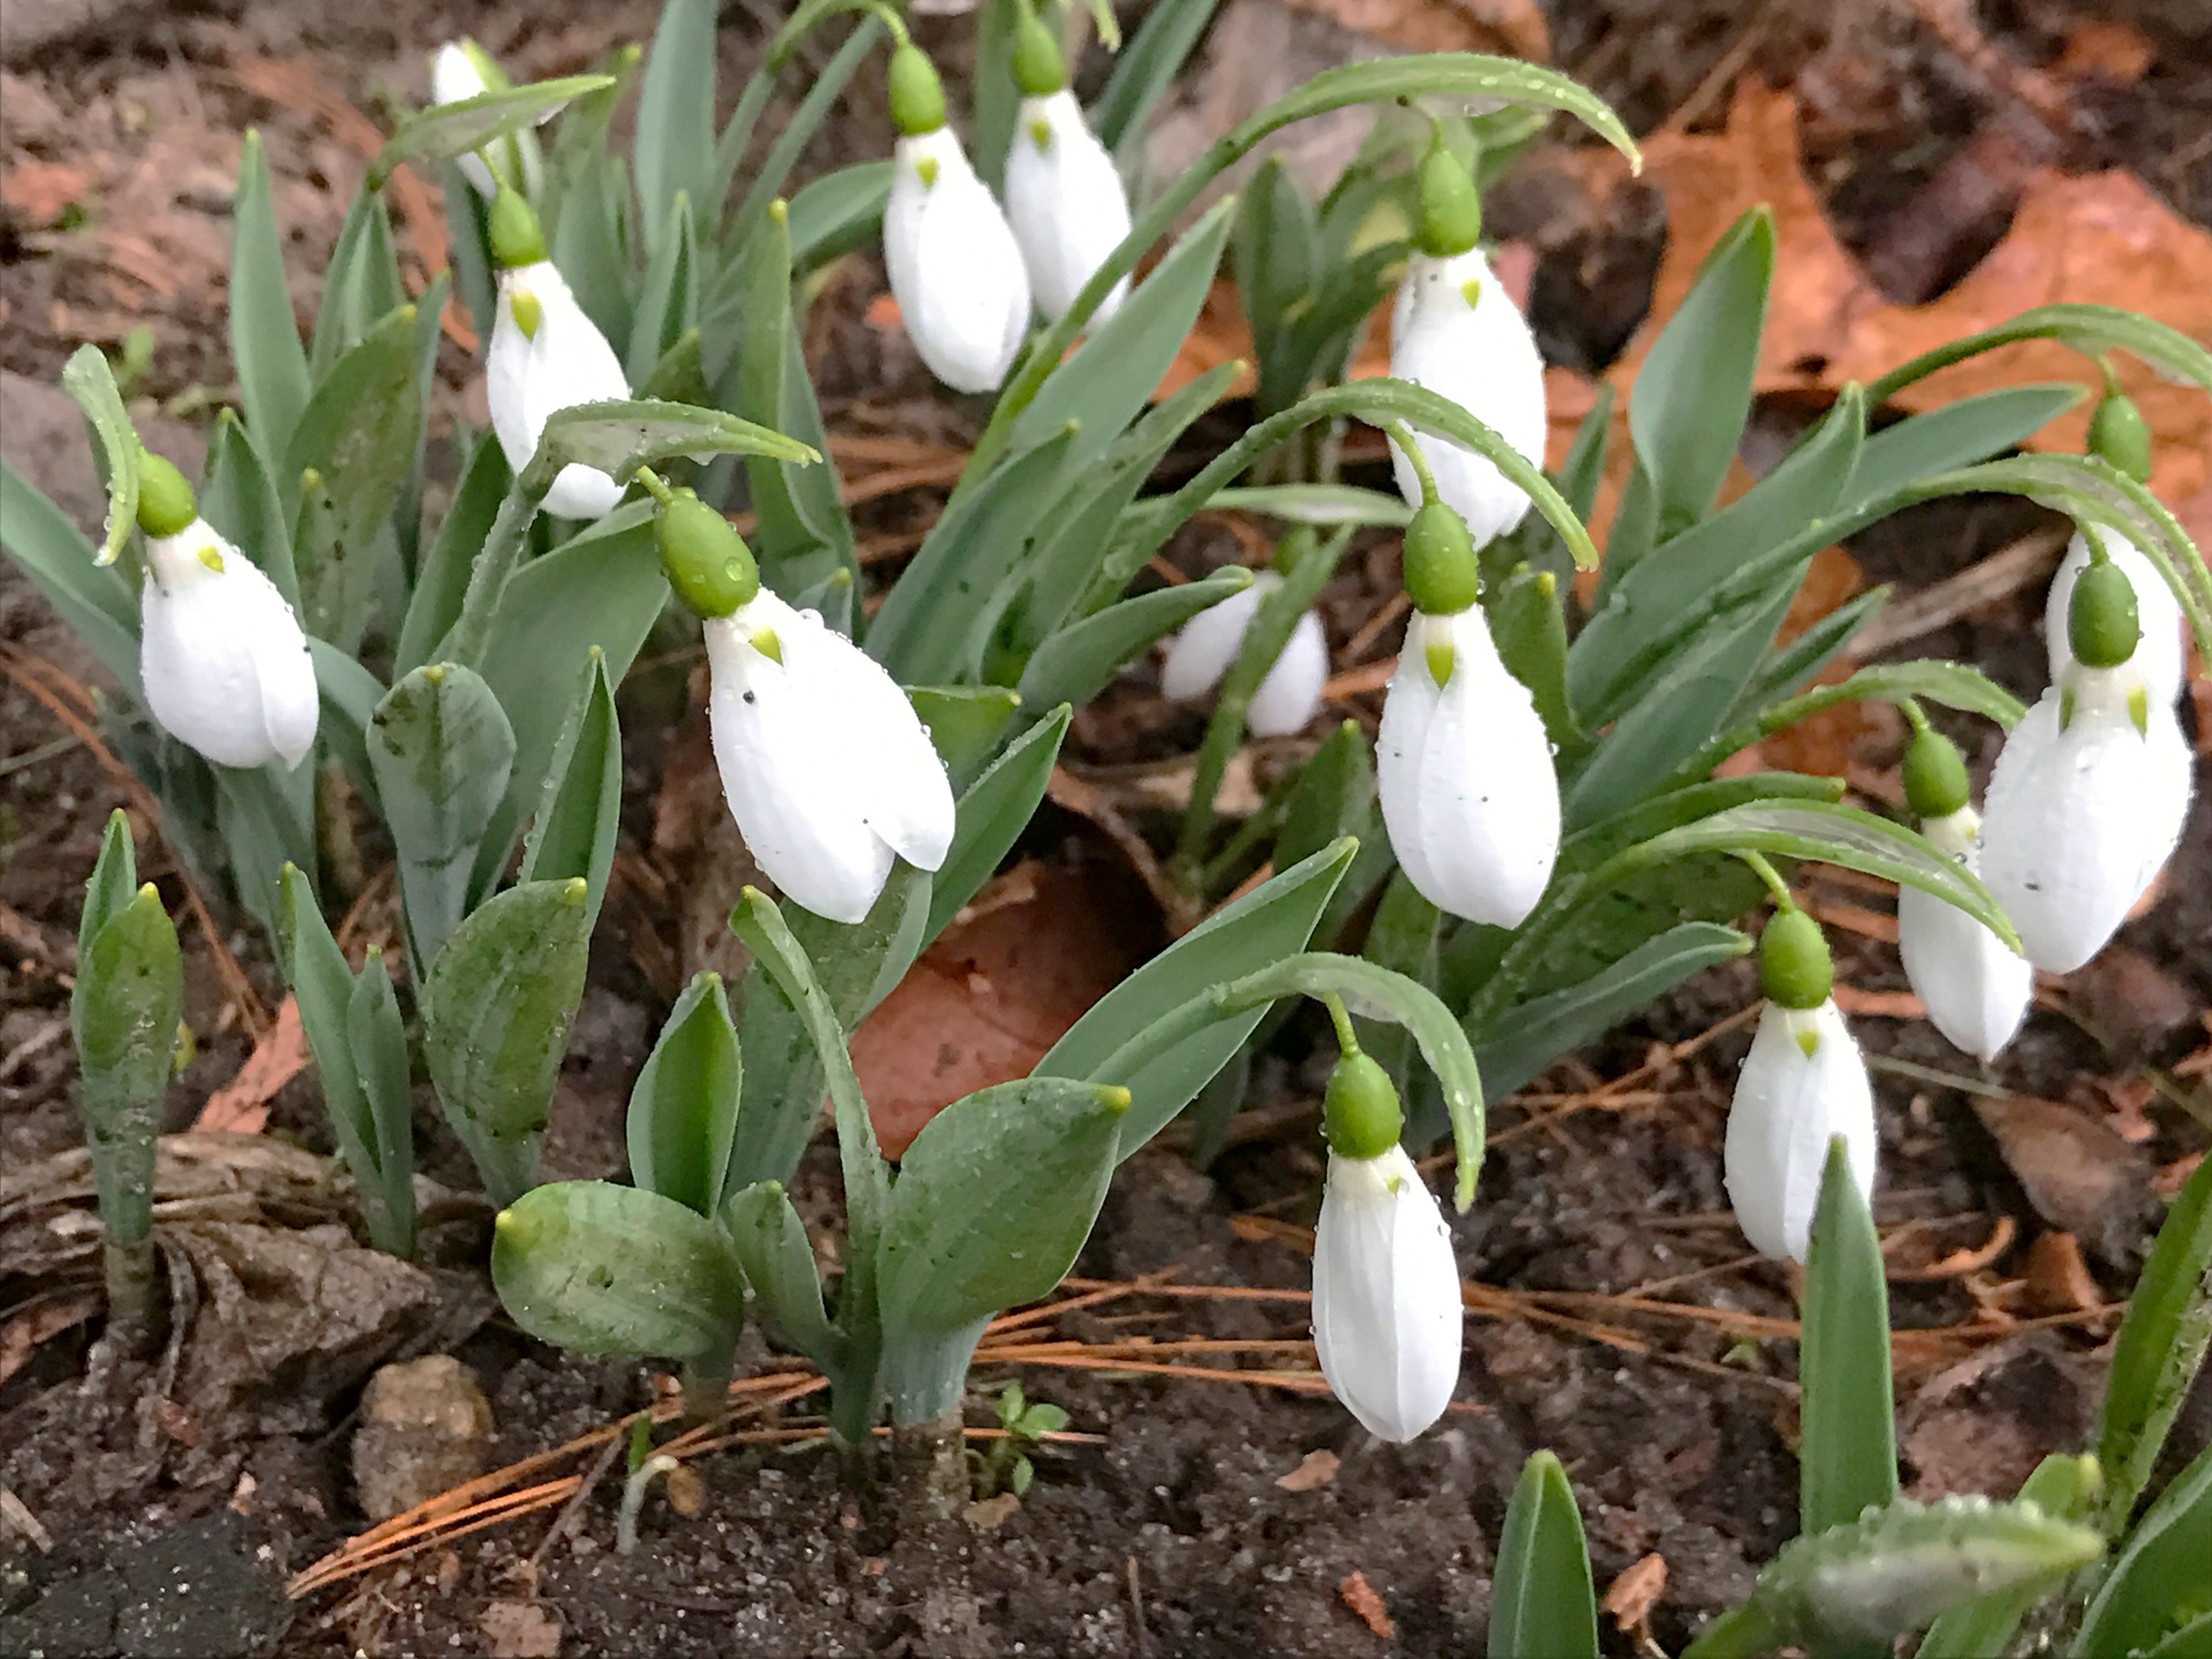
x,y
1403,436
1775,885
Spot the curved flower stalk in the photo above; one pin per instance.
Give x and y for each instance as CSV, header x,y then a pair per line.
x,y
1290,695
1463,766
1386,1294
828,771
222,660
956,270
1064,196
1975,987
1455,331
2091,789
2159,659
1803,1083
546,356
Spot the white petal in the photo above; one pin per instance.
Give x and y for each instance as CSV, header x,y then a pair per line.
x,y
1290,695
2079,821
530,379
955,269
1201,652
791,790
1385,1296
906,799
1066,204
453,76
1788,1105
1484,359
223,660
1976,990
1466,779
2159,659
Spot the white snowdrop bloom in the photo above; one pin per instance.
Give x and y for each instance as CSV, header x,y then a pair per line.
x,y
1464,772
955,268
2086,803
1386,1297
2159,657
827,768
1456,332
1066,204
454,78
223,660
1803,1083
1975,987
1289,694
560,360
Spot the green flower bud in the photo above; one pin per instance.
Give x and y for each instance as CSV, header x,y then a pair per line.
x,y
1794,969
1359,1112
1039,69
165,507
917,95
706,562
2119,432
1451,212
1443,576
517,239
2101,624
1935,775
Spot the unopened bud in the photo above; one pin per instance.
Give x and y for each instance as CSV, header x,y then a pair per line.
x,y
1039,69
2101,624
1451,212
1359,1111
706,562
1794,969
517,239
165,507
917,95
2119,433
1443,576
1936,784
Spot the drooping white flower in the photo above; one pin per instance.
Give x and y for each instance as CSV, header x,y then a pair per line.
x,y
956,270
2087,802
1803,1083
1066,204
1457,332
825,765
559,360
1464,773
1976,989
1288,694
1385,1296
2159,657
454,78
223,660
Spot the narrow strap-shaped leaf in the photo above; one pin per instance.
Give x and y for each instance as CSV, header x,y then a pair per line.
x,y
443,574
684,1106
2161,1345
1146,67
805,121
1847,1462
2060,1486
125,1010
579,816
990,815
1318,504
87,378
770,1241
1957,434
95,601
674,149
264,336
446,131
378,1043
1541,1601
349,695
114,881
1075,664
2088,329
2160,1577
240,499
668,300
1953,684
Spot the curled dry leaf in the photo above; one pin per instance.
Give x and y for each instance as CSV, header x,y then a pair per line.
x,y
241,1105
1359,1595
1631,1597
520,1629
1316,1468
2079,1175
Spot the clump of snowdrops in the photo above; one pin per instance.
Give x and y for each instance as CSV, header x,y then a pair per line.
x,y
1535,847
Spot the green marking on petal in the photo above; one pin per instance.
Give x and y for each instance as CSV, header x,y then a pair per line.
x,y
1041,133
1810,1041
1442,656
1471,291
528,313
211,556
2066,708
763,640
2139,710
926,170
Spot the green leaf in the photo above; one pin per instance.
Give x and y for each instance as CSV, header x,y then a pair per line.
x,y
266,817
1333,795
97,602
991,815
446,131
1146,67
579,816
2161,1345
1957,434
243,504
1529,621
114,881
609,1271
1317,504
2063,1486
668,302
838,213
443,577
964,722
590,243
2160,1577
1527,1037
994,99
124,1009
1898,1570
1579,474
674,149
1275,252
1075,664
264,336
350,695
87,378
2088,329
771,1242
443,753
1541,1601
377,1041
2192,1641
1790,666
619,437
1951,683
360,285
805,121
1847,1462
683,1108
497,1005
1273,921
1690,402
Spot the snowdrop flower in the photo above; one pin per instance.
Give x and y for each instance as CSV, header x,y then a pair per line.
x,y
955,268
1287,697
1463,766
222,660
2158,658
2091,790
1386,1295
827,768
546,356
1803,1083
1064,194
455,78
1455,331
1976,987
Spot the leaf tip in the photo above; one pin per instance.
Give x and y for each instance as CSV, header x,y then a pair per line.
x,y
1113,1097
573,892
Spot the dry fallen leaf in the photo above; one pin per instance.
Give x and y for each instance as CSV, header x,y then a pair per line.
x,y
20,1336
520,1629
1359,1595
1510,26
2079,1175
241,1105
2058,1280
1632,1596
1316,1468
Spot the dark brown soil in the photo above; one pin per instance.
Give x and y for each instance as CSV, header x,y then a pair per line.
x,y
1173,1536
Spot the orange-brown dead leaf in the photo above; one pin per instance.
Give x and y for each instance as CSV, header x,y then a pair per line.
x,y
1631,1597
1359,1595
241,1105
1510,26
2058,1280
1316,1468
42,191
